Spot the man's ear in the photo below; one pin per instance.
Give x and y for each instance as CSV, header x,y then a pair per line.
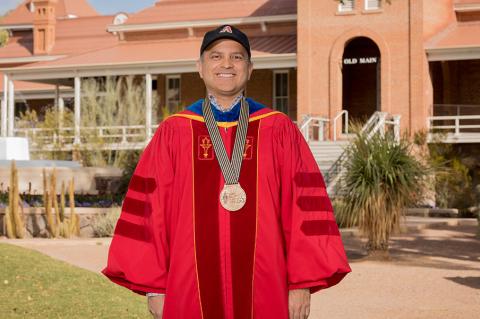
x,y
250,69
200,67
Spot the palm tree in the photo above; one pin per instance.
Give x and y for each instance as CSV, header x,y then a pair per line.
x,y
382,178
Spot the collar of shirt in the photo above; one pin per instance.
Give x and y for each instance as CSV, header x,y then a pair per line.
x,y
230,116
215,104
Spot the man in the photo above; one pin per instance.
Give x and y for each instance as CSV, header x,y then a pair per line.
x,y
227,214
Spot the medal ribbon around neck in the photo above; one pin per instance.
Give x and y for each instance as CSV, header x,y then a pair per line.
x,y
232,197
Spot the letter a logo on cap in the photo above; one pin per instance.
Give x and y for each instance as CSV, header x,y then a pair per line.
x,y
226,28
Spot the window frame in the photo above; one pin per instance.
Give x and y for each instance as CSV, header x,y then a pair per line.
x,y
276,97
169,77
342,6
378,7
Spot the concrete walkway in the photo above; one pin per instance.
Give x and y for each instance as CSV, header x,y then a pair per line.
x,y
434,272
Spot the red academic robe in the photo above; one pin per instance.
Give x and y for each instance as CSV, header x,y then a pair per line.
x,y
174,237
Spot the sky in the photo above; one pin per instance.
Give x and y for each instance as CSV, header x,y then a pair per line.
x,y
102,6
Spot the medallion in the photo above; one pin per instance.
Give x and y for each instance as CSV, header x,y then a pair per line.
x,y
233,197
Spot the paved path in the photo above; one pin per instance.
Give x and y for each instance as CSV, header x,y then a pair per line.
x,y
434,272
90,254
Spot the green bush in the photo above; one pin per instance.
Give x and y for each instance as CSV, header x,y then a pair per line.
x,y
104,225
453,183
382,178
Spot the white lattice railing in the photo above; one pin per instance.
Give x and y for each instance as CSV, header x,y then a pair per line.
x,y
454,129
316,128
106,137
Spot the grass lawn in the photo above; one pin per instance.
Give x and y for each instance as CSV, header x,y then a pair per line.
x,y
33,285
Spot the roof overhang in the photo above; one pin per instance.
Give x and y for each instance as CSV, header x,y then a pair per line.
x,y
467,7
45,74
453,53
16,27
42,94
31,59
201,23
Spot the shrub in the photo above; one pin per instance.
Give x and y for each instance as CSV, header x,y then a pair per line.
x,y
104,225
382,178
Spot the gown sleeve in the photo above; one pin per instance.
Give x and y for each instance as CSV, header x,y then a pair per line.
x,y
316,257
138,258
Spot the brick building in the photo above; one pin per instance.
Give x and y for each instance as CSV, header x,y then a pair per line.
x,y
414,58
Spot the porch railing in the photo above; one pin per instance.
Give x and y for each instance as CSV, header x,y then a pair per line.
x,y
454,129
104,137
316,128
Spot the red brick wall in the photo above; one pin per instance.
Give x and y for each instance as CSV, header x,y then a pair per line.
x,y
397,29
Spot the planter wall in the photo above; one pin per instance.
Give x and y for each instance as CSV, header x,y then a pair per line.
x,y
35,220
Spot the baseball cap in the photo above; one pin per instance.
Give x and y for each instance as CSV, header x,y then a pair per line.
x,y
225,32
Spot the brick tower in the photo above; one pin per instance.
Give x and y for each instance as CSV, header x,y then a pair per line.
x,y
44,26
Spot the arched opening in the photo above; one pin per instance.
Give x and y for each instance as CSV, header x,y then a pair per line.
x,y
361,90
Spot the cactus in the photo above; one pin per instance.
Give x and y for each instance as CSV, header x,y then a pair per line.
x,y
51,226
53,195
62,202
74,220
65,223
8,223
13,219
19,227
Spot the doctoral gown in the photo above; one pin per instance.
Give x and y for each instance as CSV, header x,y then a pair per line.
x,y
174,237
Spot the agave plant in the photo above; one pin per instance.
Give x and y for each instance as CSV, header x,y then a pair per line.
x,y
382,178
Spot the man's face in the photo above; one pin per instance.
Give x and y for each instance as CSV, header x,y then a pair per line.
x,y
225,68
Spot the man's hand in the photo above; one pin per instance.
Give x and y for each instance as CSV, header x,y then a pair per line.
x,y
155,306
299,303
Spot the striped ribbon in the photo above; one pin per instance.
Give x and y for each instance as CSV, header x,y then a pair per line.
x,y
230,169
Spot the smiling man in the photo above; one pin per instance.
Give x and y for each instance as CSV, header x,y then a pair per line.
x,y
227,215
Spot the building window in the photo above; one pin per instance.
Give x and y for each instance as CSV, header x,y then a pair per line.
x,y
172,91
346,5
372,4
280,90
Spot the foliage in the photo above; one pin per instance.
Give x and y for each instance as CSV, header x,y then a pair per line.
x,y
382,178
104,225
111,101
36,286
121,102
453,184
3,37
451,178
54,122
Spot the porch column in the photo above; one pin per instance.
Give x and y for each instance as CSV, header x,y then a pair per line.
x,y
59,105
61,110
148,106
57,94
77,105
11,108
3,116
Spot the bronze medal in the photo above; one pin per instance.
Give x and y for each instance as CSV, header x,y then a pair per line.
x,y
233,197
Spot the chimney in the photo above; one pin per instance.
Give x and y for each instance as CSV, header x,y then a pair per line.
x,y
43,26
